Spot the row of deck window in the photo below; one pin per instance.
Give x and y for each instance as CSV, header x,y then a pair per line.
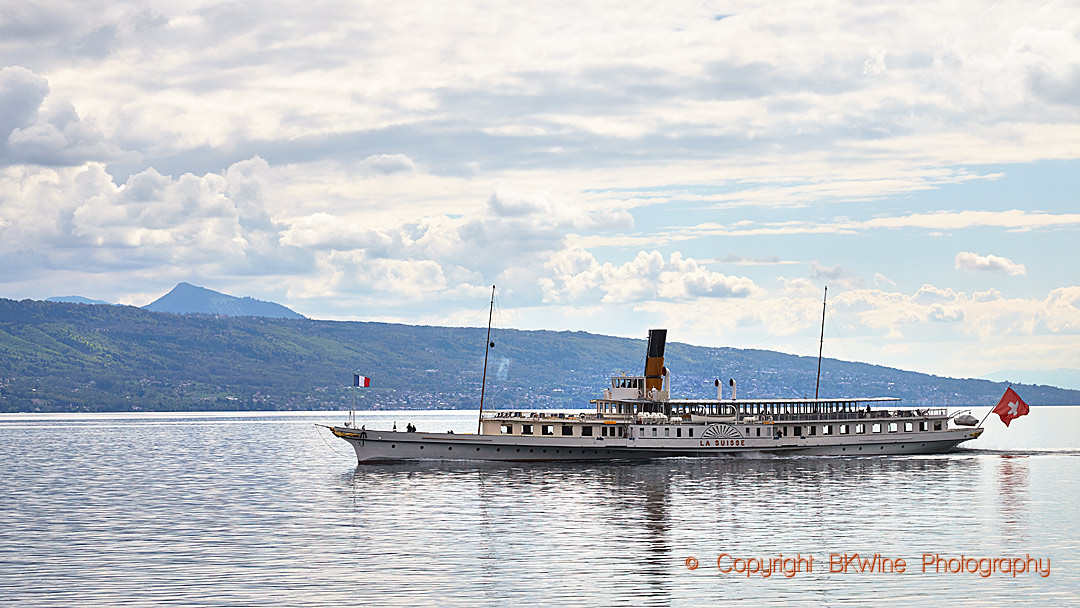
x,y
567,430
667,432
846,429
615,408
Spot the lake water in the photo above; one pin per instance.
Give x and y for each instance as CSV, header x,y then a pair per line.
x,y
266,510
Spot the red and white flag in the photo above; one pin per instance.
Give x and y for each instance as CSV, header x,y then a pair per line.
x,y
1010,407
358,380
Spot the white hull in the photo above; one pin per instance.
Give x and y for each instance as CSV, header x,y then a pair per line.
x,y
375,446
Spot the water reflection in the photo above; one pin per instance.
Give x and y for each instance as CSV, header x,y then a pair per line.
x,y
1012,491
200,513
640,521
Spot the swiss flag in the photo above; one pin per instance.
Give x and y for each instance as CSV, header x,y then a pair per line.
x,y
1010,407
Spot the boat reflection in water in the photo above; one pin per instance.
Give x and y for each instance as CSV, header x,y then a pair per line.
x,y
631,525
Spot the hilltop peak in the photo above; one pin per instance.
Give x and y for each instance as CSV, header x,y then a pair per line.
x,y
186,298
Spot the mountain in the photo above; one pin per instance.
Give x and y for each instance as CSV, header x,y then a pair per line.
x,y
1065,378
186,298
66,357
75,300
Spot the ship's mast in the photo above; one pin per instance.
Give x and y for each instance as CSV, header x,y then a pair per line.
x,y
487,346
821,344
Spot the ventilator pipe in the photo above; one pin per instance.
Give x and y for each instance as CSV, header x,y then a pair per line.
x,y
732,383
719,389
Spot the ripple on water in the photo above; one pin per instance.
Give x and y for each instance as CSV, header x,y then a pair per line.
x,y
261,512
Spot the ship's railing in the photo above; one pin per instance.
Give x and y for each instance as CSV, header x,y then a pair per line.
x,y
919,413
914,413
500,415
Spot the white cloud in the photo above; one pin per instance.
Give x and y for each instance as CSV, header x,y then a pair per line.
x,y
836,275
943,334
928,294
850,183
21,94
32,132
986,296
966,260
744,260
387,164
1060,312
543,207
357,273
508,241
1014,220
79,220
577,276
854,82
799,287
983,314
882,280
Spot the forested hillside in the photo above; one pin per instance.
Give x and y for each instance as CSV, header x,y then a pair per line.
x,y
75,357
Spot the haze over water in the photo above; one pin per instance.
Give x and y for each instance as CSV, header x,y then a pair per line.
x,y
264,510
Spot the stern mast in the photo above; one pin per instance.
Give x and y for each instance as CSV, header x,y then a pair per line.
x,y
487,346
821,344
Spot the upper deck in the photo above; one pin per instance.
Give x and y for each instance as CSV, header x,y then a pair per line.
x,y
629,396
646,399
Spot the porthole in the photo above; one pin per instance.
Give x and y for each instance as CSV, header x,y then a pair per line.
x,y
544,451
498,449
421,447
393,445
530,450
519,449
451,448
477,449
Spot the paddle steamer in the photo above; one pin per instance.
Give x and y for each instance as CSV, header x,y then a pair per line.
x,y
636,418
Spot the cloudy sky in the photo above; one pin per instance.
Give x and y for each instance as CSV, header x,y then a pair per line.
x,y
703,166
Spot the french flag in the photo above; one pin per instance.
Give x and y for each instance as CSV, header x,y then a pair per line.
x,y
358,380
